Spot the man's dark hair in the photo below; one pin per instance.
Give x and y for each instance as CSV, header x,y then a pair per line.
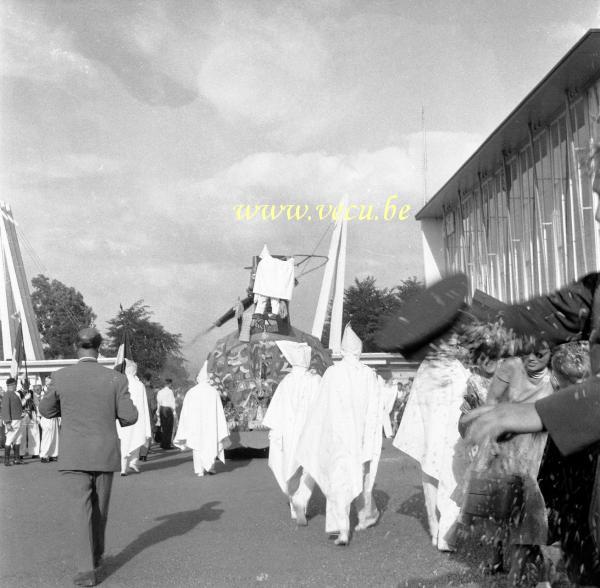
x,y
11,381
89,339
168,381
147,377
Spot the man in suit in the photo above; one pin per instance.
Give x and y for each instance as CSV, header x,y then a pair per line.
x,y
12,413
89,399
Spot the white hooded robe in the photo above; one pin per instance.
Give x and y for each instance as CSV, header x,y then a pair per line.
x,y
341,443
136,435
429,433
288,411
202,424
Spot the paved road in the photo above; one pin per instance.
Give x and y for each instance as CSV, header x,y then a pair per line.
x,y
168,527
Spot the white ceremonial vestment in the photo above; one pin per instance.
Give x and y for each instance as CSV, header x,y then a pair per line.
x,y
428,433
202,424
134,436
274,277
341,443
49,444
286,417
30,434
50,434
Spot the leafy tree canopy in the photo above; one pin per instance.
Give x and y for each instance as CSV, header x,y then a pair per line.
x,y
153,348
365,305
60,312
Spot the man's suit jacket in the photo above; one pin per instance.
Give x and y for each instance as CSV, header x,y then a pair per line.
x,y
12,409
89,398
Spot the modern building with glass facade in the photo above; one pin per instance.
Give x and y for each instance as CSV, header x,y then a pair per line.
x,y
518,216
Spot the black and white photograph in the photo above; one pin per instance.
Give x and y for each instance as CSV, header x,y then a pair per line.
x,y
300,293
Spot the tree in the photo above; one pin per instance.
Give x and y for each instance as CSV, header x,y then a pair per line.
x,y
409,288
365,305
152,347
174,368
60,312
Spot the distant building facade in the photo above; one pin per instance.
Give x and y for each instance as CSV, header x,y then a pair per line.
x,y
518,216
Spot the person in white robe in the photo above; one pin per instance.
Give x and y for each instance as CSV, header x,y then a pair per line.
x,y
202,425
428,433
50,432
30,423
286,416
274,281
134,436
341,443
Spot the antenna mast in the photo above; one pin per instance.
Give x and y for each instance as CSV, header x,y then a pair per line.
x,y
424,154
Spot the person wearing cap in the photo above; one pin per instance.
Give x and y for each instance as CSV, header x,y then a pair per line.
x,y
134,437
341,443
50,432
286,417
12,414
89,399
202,425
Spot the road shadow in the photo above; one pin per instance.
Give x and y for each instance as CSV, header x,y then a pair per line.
x,y
230,465
172,525
415,507
158,463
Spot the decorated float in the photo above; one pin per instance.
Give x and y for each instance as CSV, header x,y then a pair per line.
x,y
246,365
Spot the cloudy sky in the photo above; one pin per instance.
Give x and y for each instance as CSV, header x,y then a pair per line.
x,y
130,130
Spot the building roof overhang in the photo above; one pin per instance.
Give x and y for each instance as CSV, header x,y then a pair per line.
x,y
573,73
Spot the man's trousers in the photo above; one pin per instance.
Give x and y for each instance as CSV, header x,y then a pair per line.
x,y
166,427
30,436
88,494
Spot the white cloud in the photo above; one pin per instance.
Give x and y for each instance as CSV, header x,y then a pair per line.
x,y
263,68
33,49
63,167
318,177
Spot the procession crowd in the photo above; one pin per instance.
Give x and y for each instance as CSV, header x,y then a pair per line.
x,y
327,431
26,433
